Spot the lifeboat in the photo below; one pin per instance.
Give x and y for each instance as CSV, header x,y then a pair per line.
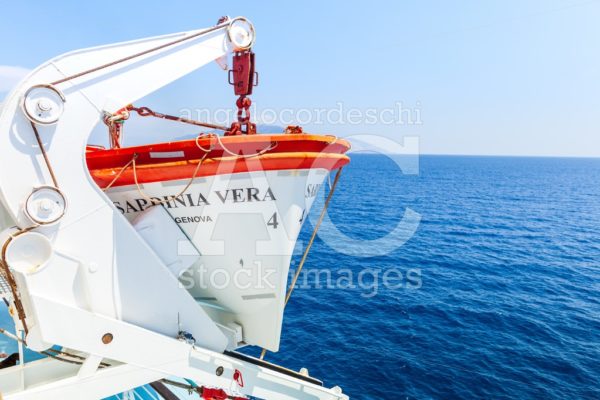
x,y
240,200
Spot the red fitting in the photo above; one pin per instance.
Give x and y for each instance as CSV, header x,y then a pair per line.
x,y
235,129
242,76
238,378
293,129
213,394
246,103
218,394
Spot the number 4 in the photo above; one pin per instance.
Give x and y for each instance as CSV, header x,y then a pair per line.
x,y
273,221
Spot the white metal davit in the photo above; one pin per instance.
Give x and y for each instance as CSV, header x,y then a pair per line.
x,y
85,286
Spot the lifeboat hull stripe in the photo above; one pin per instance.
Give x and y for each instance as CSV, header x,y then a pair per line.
x,y
168,171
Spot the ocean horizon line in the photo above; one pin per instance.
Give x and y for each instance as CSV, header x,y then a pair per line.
x,y
372,152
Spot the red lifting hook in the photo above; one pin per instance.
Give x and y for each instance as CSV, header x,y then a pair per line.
x,y
243,77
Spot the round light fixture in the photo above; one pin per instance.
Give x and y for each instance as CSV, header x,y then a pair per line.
x,y
241,33
28,252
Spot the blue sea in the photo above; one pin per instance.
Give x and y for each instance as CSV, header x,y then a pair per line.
x,y
509,306
504,297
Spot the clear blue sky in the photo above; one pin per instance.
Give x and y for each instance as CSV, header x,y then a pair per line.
x,y
489,77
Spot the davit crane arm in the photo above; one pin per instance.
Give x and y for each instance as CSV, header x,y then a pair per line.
x,y
82,277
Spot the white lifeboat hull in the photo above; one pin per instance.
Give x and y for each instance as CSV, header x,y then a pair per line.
x,y
242,214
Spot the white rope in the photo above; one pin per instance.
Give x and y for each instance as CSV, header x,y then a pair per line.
x,y
120,173
231,153
153,201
